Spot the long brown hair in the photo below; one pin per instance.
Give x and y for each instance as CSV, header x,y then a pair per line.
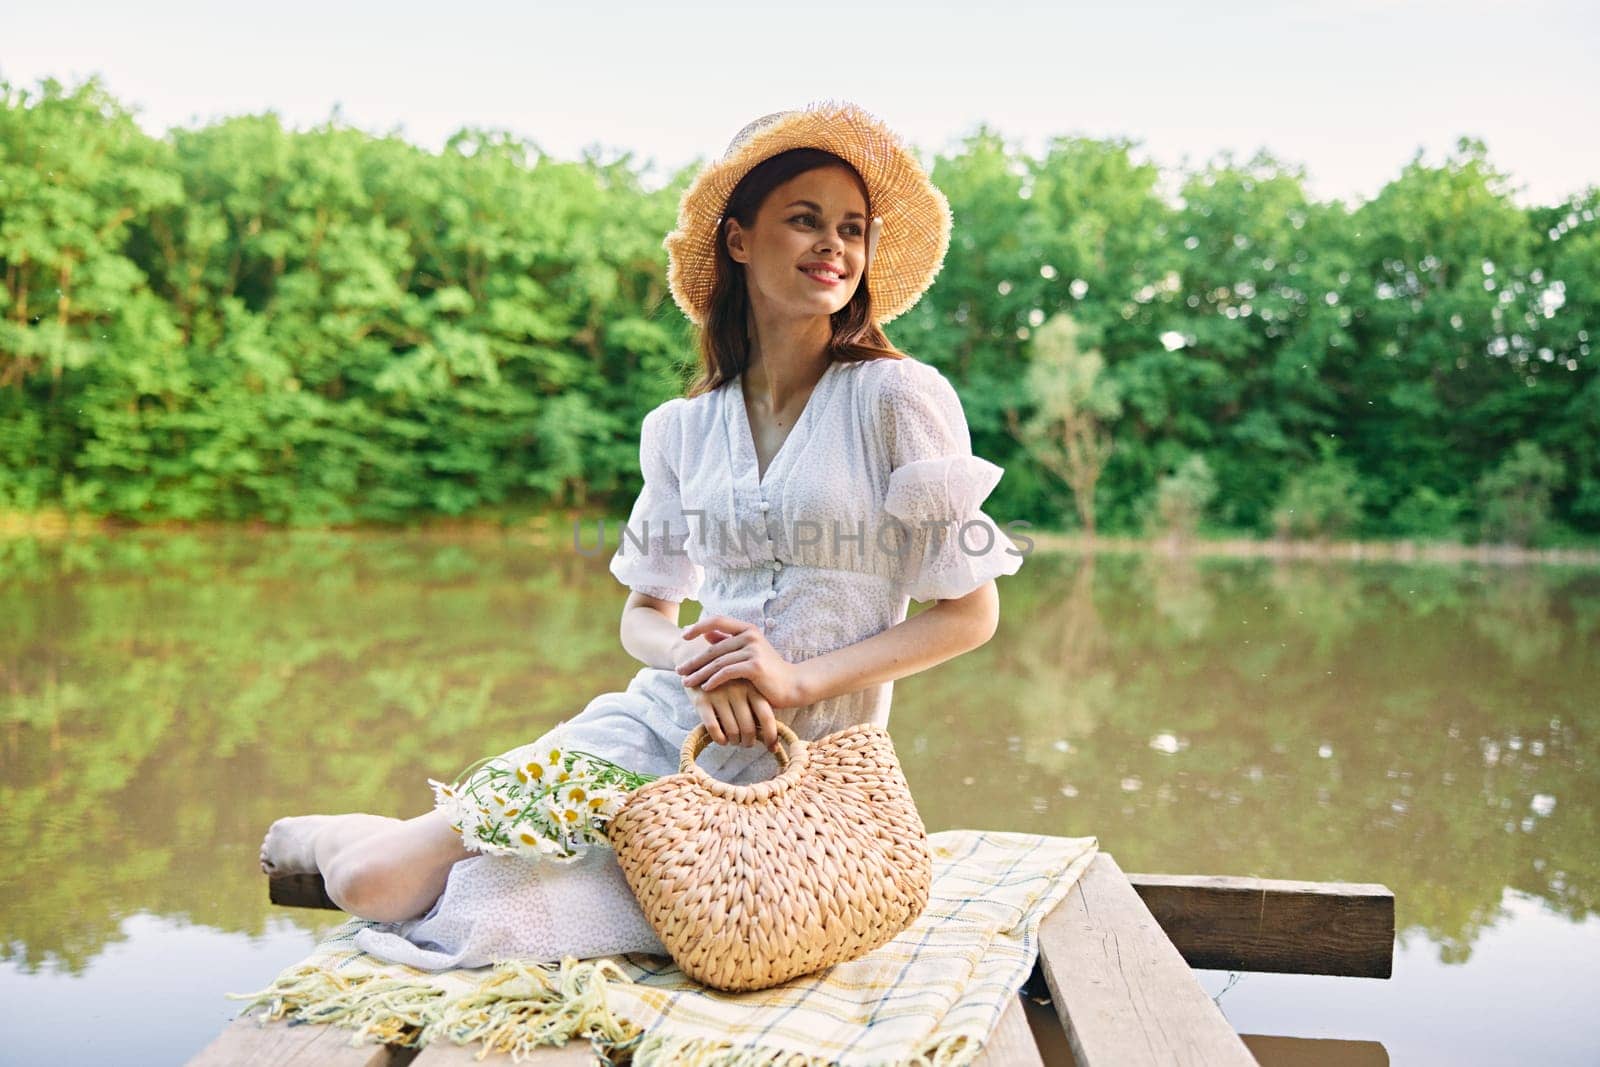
x,y
724,346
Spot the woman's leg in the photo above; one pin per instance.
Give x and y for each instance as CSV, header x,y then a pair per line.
x,y
373,866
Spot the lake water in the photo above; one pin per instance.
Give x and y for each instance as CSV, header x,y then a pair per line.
x,y
1435,728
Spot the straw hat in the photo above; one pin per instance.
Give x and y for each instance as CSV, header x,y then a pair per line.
x,y
916,215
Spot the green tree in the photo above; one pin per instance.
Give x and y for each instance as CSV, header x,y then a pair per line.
x,y
1181,498
1437,372
1426,512
76,175
1514,497
1074,403
1106,257
1244,383
1322,501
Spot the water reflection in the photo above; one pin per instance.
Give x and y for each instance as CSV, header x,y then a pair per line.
x,y
164,696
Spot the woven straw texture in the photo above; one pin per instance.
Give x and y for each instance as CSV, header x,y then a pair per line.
x,y
749,886
916,215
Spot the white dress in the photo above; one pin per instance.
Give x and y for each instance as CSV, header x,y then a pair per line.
x,y
872,501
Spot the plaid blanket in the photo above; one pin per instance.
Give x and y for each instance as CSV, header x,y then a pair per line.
x,y
933,994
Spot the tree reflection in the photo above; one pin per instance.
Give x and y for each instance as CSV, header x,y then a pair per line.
x,y
163,697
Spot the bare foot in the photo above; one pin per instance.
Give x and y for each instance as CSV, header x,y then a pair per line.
x,y
290,845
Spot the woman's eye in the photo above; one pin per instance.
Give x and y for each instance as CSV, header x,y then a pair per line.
x,y
854,228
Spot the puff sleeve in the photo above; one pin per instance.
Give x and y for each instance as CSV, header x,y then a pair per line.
x,y
937,486
651,556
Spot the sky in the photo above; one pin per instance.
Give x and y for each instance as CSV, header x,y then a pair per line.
x,y
1348,90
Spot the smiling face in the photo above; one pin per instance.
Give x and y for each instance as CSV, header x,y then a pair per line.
x,y
805,252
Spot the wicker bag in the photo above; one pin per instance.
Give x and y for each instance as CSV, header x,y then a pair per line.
x,y
750,885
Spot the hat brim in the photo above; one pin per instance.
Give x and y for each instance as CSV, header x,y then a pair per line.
x,y
916,215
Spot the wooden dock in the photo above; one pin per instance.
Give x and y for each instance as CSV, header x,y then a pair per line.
x,y
1115,961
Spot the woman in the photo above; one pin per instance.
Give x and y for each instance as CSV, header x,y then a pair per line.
x,y
814,480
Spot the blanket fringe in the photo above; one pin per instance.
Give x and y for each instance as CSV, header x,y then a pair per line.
x,y
520,1007
514,1009
661,1050
387,1010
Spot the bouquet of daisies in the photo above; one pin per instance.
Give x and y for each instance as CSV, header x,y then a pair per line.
x,y
556,804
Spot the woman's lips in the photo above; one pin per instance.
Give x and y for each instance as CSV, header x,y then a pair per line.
x,y
822,277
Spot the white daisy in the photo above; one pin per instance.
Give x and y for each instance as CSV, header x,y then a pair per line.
x,y
533,773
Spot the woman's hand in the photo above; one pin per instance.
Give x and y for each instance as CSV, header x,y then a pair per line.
x,y
684,651
741,652
736,714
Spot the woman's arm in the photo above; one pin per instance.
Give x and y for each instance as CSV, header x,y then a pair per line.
x,y
735,714
939,633
942,632
651,634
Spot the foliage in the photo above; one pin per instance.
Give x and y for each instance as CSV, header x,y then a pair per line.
x,y
322,327
1073,401
239,321
1428,513
1181,498
1515,496
1320,501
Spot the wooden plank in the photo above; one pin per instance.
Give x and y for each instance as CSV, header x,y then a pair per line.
x,y
300,891
1270,924
1011,1042
1123,993
248,1042
1216,921
575,1053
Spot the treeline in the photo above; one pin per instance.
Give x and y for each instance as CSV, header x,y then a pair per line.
x,y
238,321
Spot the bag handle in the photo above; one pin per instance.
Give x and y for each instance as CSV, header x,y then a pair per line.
x,y
791,763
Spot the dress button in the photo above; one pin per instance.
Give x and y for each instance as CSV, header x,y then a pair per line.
x,y
763,505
